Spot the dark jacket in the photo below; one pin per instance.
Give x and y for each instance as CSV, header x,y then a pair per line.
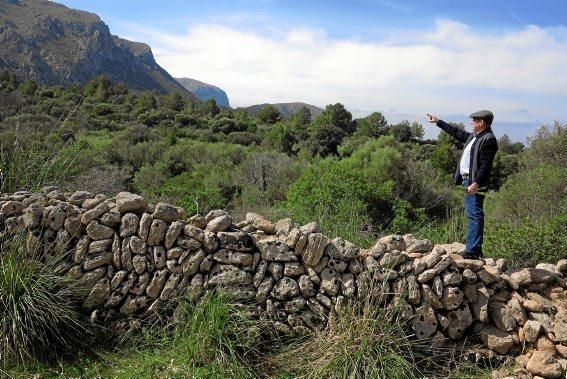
x,y
483,150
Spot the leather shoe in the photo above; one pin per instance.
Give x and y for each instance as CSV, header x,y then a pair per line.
x,y
472,255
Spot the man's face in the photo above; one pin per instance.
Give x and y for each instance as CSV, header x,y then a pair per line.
x,y
477,125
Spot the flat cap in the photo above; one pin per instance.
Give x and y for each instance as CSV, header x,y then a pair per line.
x,y
483,115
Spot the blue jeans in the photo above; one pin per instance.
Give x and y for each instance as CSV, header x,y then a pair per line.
x,y
475,215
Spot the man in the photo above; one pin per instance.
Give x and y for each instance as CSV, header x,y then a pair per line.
x,y
473,172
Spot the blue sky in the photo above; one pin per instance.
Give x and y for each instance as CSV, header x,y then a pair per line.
x,y
402,58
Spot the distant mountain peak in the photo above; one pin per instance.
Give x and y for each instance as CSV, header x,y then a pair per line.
x,y
205,91
52,44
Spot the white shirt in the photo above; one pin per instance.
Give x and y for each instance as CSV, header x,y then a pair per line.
x,y
464,166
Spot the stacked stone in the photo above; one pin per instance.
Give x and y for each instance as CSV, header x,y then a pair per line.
x,y
134,256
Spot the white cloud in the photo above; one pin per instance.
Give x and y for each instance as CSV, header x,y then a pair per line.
x,y
449,69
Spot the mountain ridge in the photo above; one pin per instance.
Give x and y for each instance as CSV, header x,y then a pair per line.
x,y
50,43
205,91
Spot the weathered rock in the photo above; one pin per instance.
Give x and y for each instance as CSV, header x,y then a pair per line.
x,y
98,295
94,213
260,273
157,233
314,249
429,297
233,257
219,224
32,215
259,222
237,241
276,251
231,276
560,325
79,197
437,286
348,285
393,242
421,246
501,316
488,274
306,286
264,289
111,219
527,276
459,321
11,208
139,263
330,282
544,365
452,298
496,339
339,248
73,225
393,258
517,311
312,227
532,330
99,246
469,276
99,260
99,232
129,202
480,307
166,213
424,322
157,283
276,269
285,289
170,286
426,275
293,269
431,259
134,304
471,264
144,227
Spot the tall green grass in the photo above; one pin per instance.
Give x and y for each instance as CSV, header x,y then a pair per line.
x,y
39,310
366,340
210,339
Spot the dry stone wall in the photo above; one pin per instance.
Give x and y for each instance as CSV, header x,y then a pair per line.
x,y
135,256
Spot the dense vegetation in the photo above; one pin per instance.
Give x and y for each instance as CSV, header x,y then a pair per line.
x,y
359,178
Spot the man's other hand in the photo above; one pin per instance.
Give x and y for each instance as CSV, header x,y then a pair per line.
x,y
472,189
432,118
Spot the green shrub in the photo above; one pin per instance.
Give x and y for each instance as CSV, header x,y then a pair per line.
x,y
529,243
39,310
536,195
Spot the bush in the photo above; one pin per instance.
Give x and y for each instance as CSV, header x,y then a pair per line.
x,y
39,317
529,243
535,195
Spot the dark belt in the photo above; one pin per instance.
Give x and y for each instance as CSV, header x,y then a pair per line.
x,y
465,176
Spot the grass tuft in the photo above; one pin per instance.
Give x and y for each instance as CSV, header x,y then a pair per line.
x,y
367,339
39,310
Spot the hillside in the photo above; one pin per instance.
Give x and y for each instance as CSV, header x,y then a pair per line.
x,y
205,91
52,44
286,109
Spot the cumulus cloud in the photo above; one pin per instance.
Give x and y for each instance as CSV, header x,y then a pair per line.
x,y
450,68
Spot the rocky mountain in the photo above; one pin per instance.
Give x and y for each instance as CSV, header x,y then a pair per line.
x,y
205,91
52,44
286,109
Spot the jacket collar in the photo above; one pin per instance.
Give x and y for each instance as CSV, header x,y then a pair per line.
x,y
486,130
